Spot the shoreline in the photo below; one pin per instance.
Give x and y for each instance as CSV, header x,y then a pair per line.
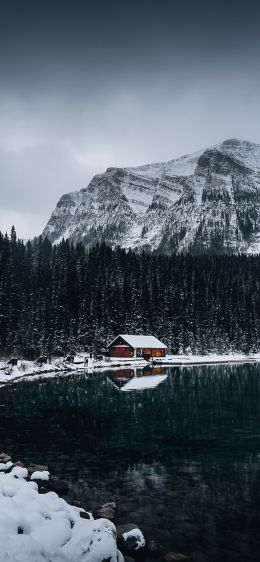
x,y
27,369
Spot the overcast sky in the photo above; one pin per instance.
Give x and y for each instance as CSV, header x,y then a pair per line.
x,y
87,85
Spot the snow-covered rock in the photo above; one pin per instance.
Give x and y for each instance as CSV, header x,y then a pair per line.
x,y
207,201
40,475
137,535
19,472
5,465
130,539
43,527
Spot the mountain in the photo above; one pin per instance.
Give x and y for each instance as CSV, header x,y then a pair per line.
x,y
208,201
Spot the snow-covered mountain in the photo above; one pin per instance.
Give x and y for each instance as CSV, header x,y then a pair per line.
x,y
207,201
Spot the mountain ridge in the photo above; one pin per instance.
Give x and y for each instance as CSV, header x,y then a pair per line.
x,y
208,201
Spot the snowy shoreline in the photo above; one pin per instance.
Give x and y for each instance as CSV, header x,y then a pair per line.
x,y
57,367
37,524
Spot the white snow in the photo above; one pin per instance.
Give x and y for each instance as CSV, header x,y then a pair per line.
x,y
40,475
45,528
9,373
5,465
142,342
248,153
19,472
211,358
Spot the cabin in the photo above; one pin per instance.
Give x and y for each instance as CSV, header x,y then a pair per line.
x,y
130,346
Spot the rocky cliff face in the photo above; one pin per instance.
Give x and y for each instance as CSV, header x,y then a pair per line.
x,y
208,201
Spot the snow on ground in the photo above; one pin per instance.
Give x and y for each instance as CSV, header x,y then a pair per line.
x,y
212,358
57,367
9,373
43,527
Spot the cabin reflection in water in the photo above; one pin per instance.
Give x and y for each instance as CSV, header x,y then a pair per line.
x,y
122,376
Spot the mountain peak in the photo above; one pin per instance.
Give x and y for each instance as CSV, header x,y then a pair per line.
x,y
208,201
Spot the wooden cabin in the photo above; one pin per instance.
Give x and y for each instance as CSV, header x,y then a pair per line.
x,y
130,346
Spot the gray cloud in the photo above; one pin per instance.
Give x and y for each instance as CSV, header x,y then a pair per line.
x,y
86,87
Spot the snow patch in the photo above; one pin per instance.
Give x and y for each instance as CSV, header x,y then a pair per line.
x,y
45,528
40,475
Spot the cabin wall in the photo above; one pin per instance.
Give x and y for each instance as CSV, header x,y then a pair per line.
x,y
121,352
154,352
124,352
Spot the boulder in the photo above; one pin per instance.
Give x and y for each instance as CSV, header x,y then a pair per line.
x,y
106,512
43,490
176,557
130,539
85,515
154,548
112,505
58,486
19,463
39,476
4,457
36,467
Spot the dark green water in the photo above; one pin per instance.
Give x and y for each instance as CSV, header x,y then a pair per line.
x,y
181,460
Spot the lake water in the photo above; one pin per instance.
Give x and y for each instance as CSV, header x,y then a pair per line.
x,y
181,459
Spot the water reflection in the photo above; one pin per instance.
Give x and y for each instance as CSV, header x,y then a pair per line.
x,y
181,459
132,379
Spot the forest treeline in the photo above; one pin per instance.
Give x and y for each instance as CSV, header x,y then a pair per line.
x,y
54,299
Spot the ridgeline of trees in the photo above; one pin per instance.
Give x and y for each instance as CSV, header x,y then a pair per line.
x,y
55,298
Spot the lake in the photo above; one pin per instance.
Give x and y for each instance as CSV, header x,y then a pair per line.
x,y
180,459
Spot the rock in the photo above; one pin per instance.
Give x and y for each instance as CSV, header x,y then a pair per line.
x,y
19,463
130,539
106,512
200,557
19,472
76,503
176,557
37,467
4,457
39,476
43,490
154,548
58,486
64,538
85,515
112,505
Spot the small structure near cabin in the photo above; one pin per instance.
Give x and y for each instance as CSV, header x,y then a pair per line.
x,y
69,358
12,361
42,359
130,346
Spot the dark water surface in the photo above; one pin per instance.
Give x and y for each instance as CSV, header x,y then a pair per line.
x,y
181,460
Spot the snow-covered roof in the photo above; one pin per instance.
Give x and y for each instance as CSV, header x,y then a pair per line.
x,y
141,341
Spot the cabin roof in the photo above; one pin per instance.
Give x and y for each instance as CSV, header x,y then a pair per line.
x,y
141,341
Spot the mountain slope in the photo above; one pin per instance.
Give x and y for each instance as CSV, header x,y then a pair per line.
x,y
208,201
